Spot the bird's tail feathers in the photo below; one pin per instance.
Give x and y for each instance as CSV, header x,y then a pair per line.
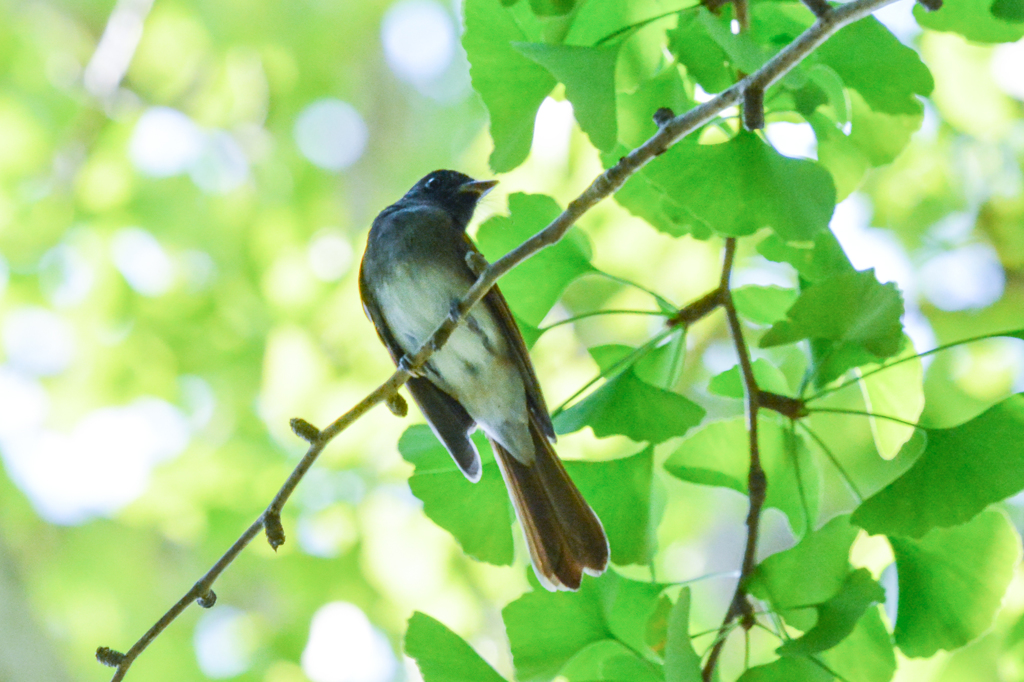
x,y
564,535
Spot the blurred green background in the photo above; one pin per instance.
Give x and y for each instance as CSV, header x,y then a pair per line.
x,y
185,188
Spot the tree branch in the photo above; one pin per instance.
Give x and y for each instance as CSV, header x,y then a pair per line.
x,y
757,484
602,187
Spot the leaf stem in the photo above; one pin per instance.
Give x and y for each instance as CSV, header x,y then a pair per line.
x,y
835,462
615,368
662,301
595,313
863,413
1016,333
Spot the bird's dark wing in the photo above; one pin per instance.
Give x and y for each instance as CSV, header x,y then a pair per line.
x,y
497,304
450,423
447,418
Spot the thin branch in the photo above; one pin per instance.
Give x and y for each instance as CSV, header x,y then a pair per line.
x,y
757,483
753,108
602,187
742,14
820,8
696,310
793,408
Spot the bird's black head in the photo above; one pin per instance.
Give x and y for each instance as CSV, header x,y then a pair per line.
x,y
453,191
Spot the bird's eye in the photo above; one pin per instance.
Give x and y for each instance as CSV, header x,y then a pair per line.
x,y
432,183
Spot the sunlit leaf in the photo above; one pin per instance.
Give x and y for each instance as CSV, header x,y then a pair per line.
x,y
763,304
838,616
705,61
846,161
740,186
682,664
621,493
832,85
814,260
601,21
719,454
730,382
535,285
880,136
511,86
443,656
867,654
974,20
781,579
787,669
628,406
772,26
588,74
630,667
852,317
589,661
961,471
478,514
896,391
636,109
546,630
951,581
888,74
645,198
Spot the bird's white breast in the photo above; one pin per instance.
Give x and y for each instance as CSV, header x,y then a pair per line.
x,y
475,366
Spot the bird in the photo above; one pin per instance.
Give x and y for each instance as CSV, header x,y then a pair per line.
x,y
416,266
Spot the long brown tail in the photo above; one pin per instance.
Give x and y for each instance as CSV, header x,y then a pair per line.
x,y
564,535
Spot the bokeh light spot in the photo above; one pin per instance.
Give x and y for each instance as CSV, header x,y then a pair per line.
x,y
37,341
331,134
221,165
1006,68
970,277
165,142
344,646
330,255
24,405
104,462
5,274
552,131
795,140
142,261
419,40
65,275
225,640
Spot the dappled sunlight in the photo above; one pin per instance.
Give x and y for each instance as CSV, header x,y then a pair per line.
x,y
344,646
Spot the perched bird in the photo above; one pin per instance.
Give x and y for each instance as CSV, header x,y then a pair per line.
x,y
414,269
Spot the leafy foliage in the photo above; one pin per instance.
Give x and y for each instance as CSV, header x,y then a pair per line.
x,y
961,472
952,581
178,245
443,655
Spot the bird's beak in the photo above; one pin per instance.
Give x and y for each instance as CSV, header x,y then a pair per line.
x,y
478,187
